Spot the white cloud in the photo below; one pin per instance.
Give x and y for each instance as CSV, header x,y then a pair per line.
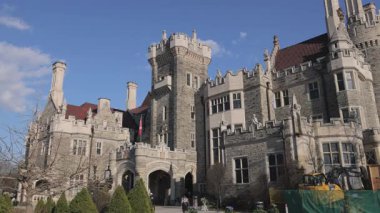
x,y
217,49
18,67
14,22
243,35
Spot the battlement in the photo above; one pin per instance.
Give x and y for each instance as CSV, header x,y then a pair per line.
x,y
71,124
179,40
164,152
231,77
316,64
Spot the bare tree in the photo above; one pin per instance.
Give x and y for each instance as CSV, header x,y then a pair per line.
x,y
44,161
215,181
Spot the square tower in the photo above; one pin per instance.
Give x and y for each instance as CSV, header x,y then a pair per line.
x,y
179,67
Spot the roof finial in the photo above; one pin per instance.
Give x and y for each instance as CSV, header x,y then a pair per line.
x,y
194,36
219,73
164,35
275,40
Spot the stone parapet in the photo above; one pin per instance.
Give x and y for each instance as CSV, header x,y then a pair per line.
x,y
180,40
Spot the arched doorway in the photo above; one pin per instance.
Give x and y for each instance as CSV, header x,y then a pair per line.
x,y
128,181
189,185
159,185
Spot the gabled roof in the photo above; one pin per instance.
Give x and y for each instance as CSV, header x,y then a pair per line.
x,y
302,52
80,112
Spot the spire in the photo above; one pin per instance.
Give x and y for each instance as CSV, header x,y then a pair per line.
x,y
194,35
219,73
164,37
333,13
275,41
267,59
258,68
354,8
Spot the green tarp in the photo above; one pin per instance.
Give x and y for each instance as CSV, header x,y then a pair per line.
x,y
332,201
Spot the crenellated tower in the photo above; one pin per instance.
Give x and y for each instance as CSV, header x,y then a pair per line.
x,y
348,69
179,67
364,30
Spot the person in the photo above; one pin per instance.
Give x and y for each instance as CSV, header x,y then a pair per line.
x,y
152,199
184,203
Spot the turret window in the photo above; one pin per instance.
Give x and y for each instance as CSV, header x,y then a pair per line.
x,y
345,81
340,81
237,100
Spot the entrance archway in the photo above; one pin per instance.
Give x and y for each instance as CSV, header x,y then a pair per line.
x,y
128,181
189,185
159,185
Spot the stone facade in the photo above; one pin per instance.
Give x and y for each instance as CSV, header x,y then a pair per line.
x,y
309,108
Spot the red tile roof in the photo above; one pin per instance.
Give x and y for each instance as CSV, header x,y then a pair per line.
x,y
80,112
302,52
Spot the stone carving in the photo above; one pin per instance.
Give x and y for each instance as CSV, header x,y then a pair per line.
x,y
255,124
340,14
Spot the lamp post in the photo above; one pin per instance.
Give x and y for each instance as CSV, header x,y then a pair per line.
x,y
108,174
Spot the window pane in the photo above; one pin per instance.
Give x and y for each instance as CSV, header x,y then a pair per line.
x,y
346,158
335,158
334,147
237,164
326,147
245,176
272,174
352,158
216,155
245,163
327,158
238,176
349,80
340,80
280,159
272,160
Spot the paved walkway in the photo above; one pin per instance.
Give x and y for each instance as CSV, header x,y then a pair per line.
x,y
174,209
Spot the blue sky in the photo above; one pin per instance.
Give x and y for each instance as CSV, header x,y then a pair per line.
x,y
104,43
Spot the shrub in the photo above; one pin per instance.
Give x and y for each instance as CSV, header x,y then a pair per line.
x,y
40,207
62,206
5,204
82,203
139,199
119,202
101,198
49,206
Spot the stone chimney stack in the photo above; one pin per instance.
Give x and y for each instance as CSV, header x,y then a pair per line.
x,y
132,95
104,104
56,91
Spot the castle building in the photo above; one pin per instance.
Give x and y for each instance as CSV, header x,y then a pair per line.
x,y
310,107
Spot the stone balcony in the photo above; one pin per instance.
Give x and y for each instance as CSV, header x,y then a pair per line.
x,y
163,86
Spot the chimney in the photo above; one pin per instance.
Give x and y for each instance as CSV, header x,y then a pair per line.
x,y
56,90
104,104
132,95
